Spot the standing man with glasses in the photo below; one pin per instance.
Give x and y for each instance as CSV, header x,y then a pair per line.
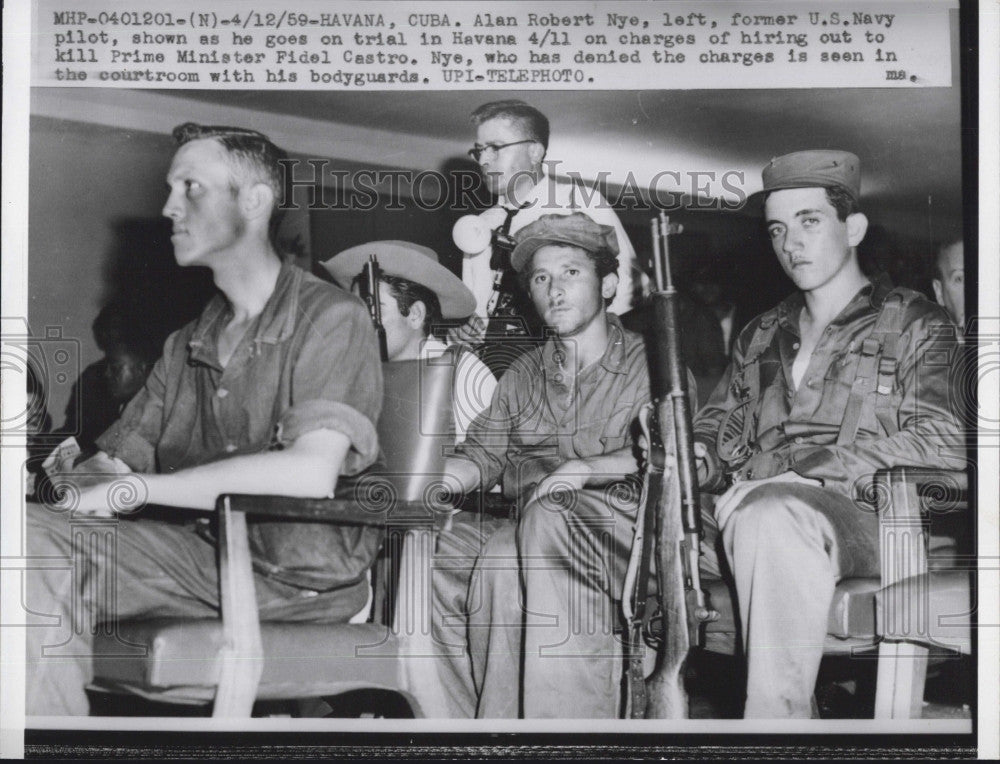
x,y
512,138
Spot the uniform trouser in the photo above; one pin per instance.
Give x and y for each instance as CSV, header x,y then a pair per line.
x,y
498,648
88,571
468,663
786,545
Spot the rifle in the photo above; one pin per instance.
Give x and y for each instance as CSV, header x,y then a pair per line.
x,y
370,293
670,508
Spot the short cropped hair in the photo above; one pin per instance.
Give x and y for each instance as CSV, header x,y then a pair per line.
x,y
842,202
604,261
251,154
527,117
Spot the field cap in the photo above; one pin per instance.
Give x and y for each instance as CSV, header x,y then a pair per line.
x,y
822,168
575,229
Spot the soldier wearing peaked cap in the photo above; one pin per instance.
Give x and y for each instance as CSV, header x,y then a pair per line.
x,y
822,391
557,438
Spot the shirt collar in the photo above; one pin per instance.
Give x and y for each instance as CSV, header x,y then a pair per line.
x,y
613,359
275,324
870,296
535,195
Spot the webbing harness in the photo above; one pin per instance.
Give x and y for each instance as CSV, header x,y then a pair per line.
x,y
877,367
876,371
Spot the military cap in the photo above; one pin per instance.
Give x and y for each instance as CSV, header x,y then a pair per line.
x,y
575,229
816,168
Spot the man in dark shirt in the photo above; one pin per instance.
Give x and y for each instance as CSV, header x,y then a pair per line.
x,y
275,389
843,378
557,436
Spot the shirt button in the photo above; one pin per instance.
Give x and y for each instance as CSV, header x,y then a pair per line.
x,y
222,392
795,346
799,439
230,447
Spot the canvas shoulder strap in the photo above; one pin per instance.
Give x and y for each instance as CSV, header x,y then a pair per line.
x,y
737,427
876,371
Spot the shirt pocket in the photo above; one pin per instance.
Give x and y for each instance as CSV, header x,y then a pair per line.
x,y
840,374
615,431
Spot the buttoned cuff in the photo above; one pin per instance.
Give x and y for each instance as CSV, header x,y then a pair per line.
x,y
332,415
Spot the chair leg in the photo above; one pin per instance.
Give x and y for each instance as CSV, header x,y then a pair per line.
x,y
899,688
242,659
902,666
412,616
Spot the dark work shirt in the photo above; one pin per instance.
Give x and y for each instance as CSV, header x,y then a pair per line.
x,y
797,427
305,363
542,417
309,361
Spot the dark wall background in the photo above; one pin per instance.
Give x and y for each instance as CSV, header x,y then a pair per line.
x,y
96,235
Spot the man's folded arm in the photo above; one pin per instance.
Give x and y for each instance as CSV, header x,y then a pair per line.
x,y
609,467
308,468
465,472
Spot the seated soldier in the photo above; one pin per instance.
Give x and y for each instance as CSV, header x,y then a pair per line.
x,y
822,391
415,293
275,389
557,434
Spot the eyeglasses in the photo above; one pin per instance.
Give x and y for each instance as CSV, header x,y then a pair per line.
x,y
477,151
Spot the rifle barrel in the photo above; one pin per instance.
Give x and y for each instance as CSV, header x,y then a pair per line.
x,y
372,274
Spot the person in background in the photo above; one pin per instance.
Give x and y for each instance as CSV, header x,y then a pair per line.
x,y
38,423
949,281
105,386
415,294
512,139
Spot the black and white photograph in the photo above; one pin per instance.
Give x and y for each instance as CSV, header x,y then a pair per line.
x,y
555,379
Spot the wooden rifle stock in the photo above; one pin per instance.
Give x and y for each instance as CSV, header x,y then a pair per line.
x,y
371,296
672,506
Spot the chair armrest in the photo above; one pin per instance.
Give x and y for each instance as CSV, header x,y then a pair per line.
x,y
339,510
918,486
493,504
242,658
901,495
